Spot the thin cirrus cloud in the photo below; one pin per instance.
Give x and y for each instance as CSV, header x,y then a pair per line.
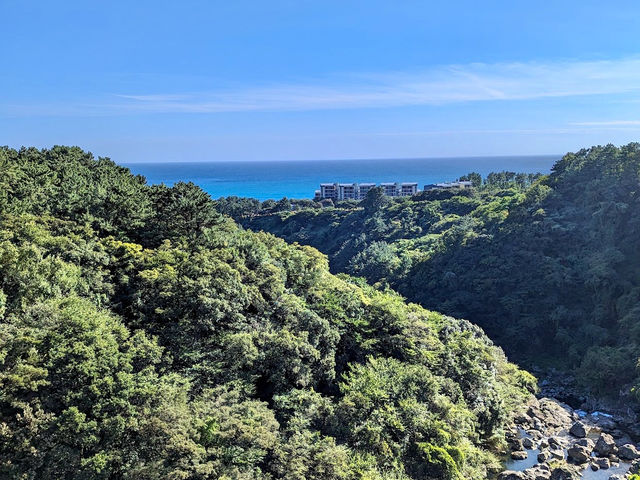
x,y
437,86
609,123
444,85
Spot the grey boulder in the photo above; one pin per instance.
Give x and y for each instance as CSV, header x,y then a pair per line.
x,y
628,452
605,444
511,475
519,455
578,429
579,454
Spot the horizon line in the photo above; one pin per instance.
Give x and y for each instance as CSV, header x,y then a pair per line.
x,y
445,157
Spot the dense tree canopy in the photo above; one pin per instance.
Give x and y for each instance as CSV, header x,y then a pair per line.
x,y
548,266
145,335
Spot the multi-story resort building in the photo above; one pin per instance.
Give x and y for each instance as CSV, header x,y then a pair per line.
x,y
347,191
408,189
328,190
363,189
390,189
358,191
400,189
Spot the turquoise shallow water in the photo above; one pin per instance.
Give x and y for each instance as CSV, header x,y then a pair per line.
x,y
299,179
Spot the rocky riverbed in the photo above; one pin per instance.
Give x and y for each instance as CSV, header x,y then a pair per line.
x,y
552,441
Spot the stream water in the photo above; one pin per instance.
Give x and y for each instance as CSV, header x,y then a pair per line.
x,y
521,465
587,474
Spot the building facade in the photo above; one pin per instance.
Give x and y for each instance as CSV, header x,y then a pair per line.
x,y
358,191
390,189
329,190
363,189
347,191
408,189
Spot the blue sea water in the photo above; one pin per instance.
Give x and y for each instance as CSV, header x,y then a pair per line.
x,y
299,179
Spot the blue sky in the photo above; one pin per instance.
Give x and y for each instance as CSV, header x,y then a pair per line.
x,y
261,80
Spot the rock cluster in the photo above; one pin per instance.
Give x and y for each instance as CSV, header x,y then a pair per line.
x,y
542,472
568,444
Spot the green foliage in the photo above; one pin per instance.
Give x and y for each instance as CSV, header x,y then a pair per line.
x,y
438,462
183,210
547,265
237,207
474,177
374,200
144,335
84,397
69,183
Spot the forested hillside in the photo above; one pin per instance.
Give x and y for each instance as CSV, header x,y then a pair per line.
x,y
143,335
549,267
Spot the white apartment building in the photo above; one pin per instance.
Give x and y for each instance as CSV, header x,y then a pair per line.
x,y
408,189
363,189
347,191
390,189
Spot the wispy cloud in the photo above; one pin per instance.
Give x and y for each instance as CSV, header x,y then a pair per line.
x,y
609,123
437,86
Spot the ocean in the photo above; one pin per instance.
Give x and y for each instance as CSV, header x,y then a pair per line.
x,y
299,179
